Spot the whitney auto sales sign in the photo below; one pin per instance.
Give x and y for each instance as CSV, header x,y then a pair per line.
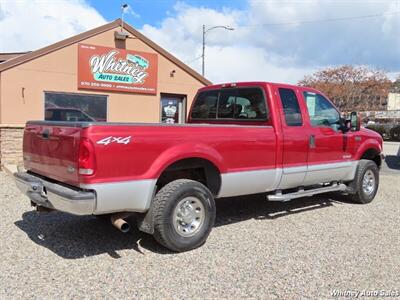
x,y
103,68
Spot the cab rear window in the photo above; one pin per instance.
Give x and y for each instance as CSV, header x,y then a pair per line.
x,y
230,104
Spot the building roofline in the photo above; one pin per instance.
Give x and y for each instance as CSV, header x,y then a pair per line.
x,y
59,45
87,34
21,52
4,56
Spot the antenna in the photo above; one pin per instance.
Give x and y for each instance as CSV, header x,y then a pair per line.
x,y
124,8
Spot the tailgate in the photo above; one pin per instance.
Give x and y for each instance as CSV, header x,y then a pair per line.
x,y
51,149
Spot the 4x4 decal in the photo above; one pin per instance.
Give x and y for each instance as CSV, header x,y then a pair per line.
x,y
115,139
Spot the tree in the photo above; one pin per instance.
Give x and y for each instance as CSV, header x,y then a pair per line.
x,y
396,86
352,87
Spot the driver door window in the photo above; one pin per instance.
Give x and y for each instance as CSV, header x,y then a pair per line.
x,y
321,111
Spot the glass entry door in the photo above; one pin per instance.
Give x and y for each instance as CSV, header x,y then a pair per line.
x,y
172,109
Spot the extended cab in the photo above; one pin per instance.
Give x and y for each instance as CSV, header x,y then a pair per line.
x,y
240,138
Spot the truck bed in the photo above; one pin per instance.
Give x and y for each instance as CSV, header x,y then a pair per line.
x,y
135,151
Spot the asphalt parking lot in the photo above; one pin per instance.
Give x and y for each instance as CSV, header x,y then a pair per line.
x,y
307,248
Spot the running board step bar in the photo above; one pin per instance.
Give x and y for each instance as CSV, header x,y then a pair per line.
x,y
307,193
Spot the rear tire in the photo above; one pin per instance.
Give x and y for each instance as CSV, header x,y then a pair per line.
x,y
366,182
183,215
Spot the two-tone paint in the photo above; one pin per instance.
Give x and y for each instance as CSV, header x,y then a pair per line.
x,y
251,157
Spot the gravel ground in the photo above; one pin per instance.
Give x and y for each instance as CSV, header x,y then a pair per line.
x,y
305,249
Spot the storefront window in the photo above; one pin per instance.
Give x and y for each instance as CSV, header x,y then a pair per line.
x,y
75,107
172,109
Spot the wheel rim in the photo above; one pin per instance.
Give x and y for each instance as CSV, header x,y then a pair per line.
x,y
188,216
369,182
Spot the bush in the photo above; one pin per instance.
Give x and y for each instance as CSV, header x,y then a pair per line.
x,y
384,131
395,133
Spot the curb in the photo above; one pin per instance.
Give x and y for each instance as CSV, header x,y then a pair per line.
x,y
10,169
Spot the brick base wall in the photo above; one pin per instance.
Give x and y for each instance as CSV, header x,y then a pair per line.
x,y
11,145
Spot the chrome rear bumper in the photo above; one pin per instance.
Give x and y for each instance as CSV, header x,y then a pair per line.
x,y
55,196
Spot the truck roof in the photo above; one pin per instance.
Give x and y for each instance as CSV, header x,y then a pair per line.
x,y
244,83
257,83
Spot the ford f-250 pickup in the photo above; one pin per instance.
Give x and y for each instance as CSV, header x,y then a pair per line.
x,y
240,138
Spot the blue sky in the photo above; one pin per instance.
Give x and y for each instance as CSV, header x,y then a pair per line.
x,y
154,11
255,50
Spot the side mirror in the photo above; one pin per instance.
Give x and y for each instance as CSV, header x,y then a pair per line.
x,y
355,121
345,125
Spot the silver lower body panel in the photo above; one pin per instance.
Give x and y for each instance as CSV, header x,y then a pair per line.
x,y
132,196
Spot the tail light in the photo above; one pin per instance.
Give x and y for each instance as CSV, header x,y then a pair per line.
x,y
87,159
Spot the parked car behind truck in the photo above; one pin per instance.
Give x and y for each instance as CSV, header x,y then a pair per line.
x,y
240,138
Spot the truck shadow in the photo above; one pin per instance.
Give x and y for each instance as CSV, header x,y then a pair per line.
x,y
237,209
73,237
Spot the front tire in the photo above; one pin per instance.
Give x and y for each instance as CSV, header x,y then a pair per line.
x,y
366,182
183,215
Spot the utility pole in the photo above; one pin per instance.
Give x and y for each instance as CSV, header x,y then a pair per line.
x,y
204,43
204,49
124,8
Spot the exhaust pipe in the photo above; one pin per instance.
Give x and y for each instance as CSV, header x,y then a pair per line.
x,y
43,209
117,220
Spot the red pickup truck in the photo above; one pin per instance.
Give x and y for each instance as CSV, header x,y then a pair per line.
x,y
240,138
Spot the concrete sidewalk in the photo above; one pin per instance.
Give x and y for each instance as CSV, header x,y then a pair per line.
x,y
391,148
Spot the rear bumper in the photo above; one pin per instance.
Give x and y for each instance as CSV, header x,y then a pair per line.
x,y
56,196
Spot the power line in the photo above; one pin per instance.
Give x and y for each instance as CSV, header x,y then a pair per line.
x,y
193,60
324,20
313,22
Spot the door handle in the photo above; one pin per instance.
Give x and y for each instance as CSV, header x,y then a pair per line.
x,y
312,141
46,134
